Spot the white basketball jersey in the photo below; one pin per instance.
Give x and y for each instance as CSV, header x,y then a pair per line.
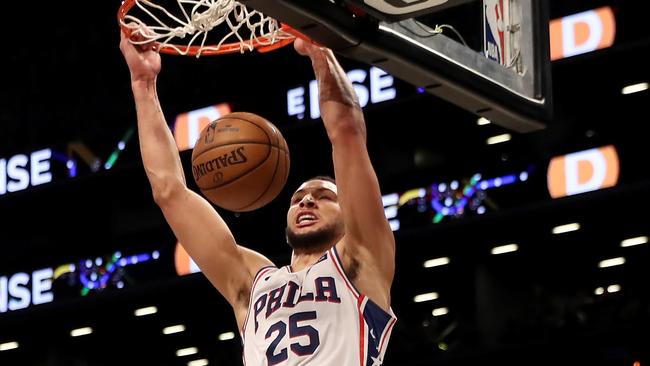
x,y
313,317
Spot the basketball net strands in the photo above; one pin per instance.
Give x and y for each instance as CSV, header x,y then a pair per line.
x,y
384,33
191,27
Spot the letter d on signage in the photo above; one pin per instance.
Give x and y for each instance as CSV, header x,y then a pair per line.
x,y
583,171
582,32
188,126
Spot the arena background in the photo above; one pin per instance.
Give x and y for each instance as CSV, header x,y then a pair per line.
x,y
83,244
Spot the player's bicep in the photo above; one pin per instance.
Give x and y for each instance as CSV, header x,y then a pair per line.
x,y
361,202
210,243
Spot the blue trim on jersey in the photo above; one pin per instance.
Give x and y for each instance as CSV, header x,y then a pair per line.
x,y
258,273
377,320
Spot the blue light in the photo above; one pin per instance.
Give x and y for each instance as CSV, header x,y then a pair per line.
x,y
523,176
72,168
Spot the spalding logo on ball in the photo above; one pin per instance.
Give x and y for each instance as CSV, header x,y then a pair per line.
x,y
240,162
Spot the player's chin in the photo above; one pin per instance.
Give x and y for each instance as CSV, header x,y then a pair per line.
x,y
301,232
305,231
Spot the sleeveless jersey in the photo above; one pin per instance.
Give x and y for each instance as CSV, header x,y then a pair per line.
x,y
313,317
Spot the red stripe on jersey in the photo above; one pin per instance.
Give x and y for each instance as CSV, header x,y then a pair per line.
x,y
362,332
339,268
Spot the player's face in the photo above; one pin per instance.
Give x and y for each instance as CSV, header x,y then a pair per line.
x,y
314,218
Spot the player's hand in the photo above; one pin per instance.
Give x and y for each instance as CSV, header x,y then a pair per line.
x,y
339,104
303,47
143,59
317,54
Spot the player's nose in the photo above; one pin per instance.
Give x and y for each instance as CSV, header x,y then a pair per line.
x,y
307,201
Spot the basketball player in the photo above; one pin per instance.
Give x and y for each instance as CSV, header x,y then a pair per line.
x,y
331,306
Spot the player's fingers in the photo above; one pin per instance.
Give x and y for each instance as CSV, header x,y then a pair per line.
x,y
301,46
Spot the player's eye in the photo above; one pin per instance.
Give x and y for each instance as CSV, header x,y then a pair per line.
x,y
328,197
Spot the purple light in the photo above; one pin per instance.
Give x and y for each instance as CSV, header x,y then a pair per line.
x,y
508,179
143,257
72,168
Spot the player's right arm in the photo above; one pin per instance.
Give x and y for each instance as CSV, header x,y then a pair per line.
x,y
200,229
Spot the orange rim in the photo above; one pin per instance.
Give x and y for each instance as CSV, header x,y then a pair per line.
x,y
121,13
260,44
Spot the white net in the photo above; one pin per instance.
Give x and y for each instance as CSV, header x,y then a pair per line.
x,y
199,27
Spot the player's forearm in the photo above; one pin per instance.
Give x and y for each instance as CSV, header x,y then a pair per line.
x,y
360,195
159,152
342,116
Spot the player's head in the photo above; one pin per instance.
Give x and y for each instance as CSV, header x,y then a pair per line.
x,y
314,219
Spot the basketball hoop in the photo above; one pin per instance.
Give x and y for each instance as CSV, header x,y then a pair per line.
x,y
214,27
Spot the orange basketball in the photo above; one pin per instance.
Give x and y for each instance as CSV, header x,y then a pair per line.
x,y
240,162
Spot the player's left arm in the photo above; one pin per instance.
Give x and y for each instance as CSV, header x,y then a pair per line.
x,y
369,240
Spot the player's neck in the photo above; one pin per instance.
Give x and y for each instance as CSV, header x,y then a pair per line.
x,y
301,259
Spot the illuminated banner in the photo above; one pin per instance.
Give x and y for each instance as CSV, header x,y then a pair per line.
x,y
452,200
372,86
582,32
21,290
22,171
189,125
24,289
583,171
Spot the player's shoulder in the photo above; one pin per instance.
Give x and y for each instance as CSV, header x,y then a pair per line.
x,y
254,262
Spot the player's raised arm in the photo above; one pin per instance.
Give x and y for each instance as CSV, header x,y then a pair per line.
x,y
199,228
368,244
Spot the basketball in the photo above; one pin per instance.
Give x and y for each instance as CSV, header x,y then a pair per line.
x,y
240,162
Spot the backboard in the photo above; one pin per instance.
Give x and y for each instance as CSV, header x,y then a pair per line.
x,y
504,77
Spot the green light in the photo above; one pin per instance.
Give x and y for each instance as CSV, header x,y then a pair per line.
x,y
111,159
121,145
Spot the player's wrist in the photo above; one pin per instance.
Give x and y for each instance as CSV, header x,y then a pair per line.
x,y
143,85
